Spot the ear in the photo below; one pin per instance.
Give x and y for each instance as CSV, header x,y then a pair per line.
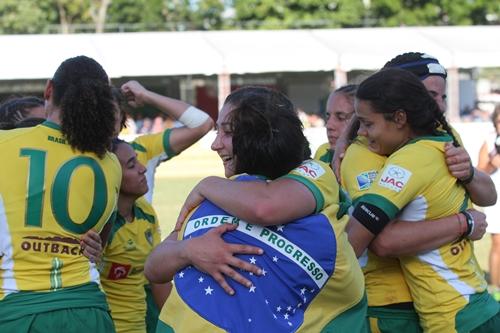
x,y
47,93
400,118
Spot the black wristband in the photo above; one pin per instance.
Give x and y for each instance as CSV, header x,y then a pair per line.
x,y
470,224
470,178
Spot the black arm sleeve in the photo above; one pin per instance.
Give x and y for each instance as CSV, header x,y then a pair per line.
x,y
371,217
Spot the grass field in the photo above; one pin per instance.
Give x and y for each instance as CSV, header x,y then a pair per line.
x,y
175,179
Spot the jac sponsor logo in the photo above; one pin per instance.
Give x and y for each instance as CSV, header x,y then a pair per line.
x,y
365,179
310,169
394,177
118,271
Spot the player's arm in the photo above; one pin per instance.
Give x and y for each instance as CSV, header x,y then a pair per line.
x,y
263,203
196,122
160,292
488,162
403,238
208,253
93,243
479,185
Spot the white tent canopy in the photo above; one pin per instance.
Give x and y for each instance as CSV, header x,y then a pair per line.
x,y
216,52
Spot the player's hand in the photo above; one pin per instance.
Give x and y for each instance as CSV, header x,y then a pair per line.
x,y
458,161
339,153
495,160
135,93
91,245
211,254
480,225
193,200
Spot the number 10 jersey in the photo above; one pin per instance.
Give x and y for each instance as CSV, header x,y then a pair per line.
x,y
50,195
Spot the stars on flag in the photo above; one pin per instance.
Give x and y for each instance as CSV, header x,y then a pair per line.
x,y
208,290
278,309
252,289
275,259
303,291
253,260
280,228
289,308
264,272
181,275
286,316
201,279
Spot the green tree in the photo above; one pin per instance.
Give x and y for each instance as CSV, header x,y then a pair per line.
x,y
433,12
23,17
264,14
207,14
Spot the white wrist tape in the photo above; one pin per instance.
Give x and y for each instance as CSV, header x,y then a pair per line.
x,y
193,117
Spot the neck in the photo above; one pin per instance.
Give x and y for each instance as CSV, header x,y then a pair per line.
x,y
126,207
53,114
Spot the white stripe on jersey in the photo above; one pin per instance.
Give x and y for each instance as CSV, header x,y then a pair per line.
x,y
434,259
9,284
150,174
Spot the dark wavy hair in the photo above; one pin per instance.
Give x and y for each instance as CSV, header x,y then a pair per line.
x,y
391,90
121,103
17,108
82,91
268,136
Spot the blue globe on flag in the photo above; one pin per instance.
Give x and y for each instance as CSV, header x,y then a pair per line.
x,y
299,258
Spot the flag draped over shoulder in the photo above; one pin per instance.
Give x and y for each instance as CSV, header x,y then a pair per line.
x,y
299,258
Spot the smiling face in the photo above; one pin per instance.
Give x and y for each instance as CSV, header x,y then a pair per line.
x,y
339,109
384,136
133,172
223,143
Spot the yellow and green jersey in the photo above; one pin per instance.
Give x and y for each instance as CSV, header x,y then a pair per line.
x,y
324,153
345,288
152,149
50,195
122,269
384,279
443,281
337,292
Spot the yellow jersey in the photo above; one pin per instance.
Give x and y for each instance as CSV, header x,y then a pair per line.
x,y
122,268
153,149
443,282
324,153
384,279
50,195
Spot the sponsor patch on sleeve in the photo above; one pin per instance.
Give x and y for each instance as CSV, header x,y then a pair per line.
x,y
365,179
310,169
394,177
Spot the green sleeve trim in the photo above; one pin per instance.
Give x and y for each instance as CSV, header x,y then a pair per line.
x,y
51,125
139,213
390,209
443,137
344,203
327,157
318,196
138,147
465,203
166,144
117,224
